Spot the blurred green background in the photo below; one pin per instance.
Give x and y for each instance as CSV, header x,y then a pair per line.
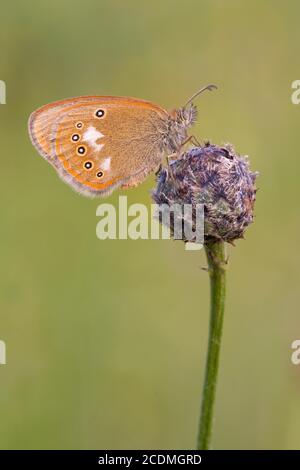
x,y
106,340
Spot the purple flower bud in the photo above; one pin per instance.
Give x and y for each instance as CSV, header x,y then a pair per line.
x,y
219,179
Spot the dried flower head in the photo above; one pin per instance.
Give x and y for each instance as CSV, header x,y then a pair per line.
x,y
219,179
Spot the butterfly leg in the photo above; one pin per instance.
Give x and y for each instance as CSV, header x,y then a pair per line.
x,y
190,139
193,139
168,158
176,155
158,170
172,156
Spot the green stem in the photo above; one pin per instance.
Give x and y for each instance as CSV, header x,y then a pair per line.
x,y
215,253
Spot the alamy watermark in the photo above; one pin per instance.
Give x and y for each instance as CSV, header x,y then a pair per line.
x,y
2,92
2,352
136,221
295,357
295,96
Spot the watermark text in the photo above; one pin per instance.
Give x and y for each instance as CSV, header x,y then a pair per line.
x,y
2,352
136,221
295,96
2,92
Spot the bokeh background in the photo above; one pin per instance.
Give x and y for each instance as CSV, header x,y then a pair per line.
x,y
106,340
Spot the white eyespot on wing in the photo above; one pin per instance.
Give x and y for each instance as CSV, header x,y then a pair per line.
x,y
91,136
105,165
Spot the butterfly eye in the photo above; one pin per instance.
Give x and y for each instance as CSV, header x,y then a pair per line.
x,y
99,113
99,174
81,150
88,165
75,137
79,125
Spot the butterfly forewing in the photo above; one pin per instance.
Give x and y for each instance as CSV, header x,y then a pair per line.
x,y
99,143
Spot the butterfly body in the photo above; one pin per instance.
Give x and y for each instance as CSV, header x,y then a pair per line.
x,y
99,143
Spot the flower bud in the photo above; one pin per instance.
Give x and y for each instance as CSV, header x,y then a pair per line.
x,y
219,179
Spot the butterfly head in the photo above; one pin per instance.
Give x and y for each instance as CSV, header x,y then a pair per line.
x,y
186,116
180,120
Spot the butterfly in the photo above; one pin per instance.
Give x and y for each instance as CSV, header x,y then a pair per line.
x,y
100,143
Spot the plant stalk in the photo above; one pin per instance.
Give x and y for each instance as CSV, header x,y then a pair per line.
x,y
215,253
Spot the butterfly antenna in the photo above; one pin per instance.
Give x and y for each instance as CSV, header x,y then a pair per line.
x,y
210,87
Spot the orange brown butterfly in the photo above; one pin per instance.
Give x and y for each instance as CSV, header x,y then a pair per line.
x,y
100,143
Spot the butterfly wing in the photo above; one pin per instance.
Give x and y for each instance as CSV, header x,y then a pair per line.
x,y
97,144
